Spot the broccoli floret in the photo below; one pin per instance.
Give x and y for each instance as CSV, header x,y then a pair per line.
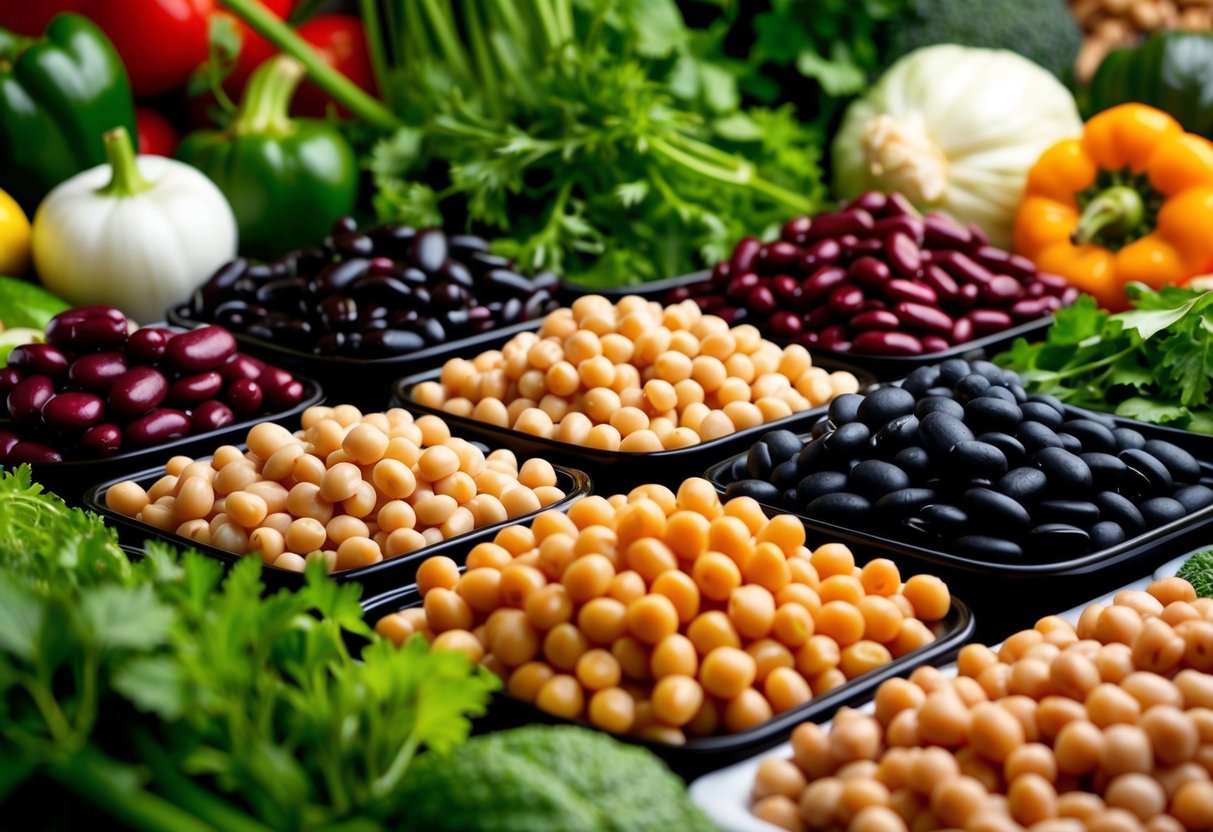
x,y
541,778
1198,571
1041,30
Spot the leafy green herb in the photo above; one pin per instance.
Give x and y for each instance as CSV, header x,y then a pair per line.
x,y
1198,571
1153,363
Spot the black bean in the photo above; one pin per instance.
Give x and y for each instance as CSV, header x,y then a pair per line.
x,y
940,392
352,244
849,441
988,509
506,281
467,243
784,444
844,408
455,272
1106,534
1001,393
380,288
338,277
1011,447
758,461
815,457
392,341
970,387
1042,413
216,288
1066,471
1183,467
984,547
488,260
1080,513
1059,539
988,370
1092,435
841,509
785,475
898,504
939,432
1106,469
883,404
429,249
897,434
760,490
972,458
943,519
1052,401
942,404
986,414
821,427
1024,485
1017,392
1158,511
1127,439
1070,443
1146,474
432,330
819,484
1036,436
914,461
1194,497
1120,509
953,370
920,380
873,478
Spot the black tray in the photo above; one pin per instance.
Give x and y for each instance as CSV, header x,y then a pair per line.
x,y
619,470
360,381
71,478
386,575
701,755
884,367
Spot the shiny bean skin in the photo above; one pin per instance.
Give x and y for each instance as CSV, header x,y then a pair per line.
x,y
137,391
156,427
875,342
87,328
38,359
25,401
198,350
96,371
73,411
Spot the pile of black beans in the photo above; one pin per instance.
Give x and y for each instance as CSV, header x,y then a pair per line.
x,y
386,291
959,458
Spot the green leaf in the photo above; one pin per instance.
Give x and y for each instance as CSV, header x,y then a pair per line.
x,y
1154,412
155,684
837,75
1201,422
21,619
1149,322
1074,324
1128,372
1190,361
124,617
632,193
15,769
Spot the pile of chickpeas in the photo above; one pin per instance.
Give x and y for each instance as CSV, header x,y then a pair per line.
x,y
350,489
669,615
1103,727
634,376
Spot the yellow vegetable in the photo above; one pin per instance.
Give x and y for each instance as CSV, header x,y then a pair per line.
x,y
14,237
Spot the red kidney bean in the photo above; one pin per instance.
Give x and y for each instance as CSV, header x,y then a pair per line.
x,y
821,253
986,321
1056,284
32,452
241,366
903,254
808,339
921,316
200,349
7,441
823,281
678,294
906,290
898,205
818,317
26,399
10,377
966,298
42,359
944,285
962,331
210,416
873,305
196,388
1069,295
877,342
869,272
244,397
934,343
157,427
873,245
286,396
137,391
912,226
96,371
874,202
786,288
784,324
979,237
1002,290
842,223
848,243
778,256
102,440
73,411
741,285
761,300
875,319
87,327
147,345
721,273
963,268
274,378
832,337
796,230
845,301
1029,309
707,303
1035,289
941,231
745,253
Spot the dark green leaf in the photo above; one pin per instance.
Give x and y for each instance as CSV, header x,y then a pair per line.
x,y
124,617
154,684
21,618
1148,410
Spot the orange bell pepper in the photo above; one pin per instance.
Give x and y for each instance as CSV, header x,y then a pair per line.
x,y
1131,200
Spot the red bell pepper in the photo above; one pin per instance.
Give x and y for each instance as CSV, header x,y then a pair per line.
x,y
156,135
341,40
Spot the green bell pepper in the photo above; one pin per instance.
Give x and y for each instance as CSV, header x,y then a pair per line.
x,y
286,179
25,304
1172,71
58,95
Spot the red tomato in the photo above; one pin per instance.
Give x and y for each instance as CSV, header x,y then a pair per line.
x,y
161,41
254,49
341,41
156,135
29,17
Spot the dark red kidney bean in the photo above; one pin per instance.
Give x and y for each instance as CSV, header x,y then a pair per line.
x,y
137,391
934,343
286,396
741,285
898,290
10,377
869,272
241,366
7,441
796,230
818,317
874,202
778,256
848,243
730,314
872,305
1029,309
706,303
97,370
845,301
821,253
978,237
157,427
1069,295
941,231
1035,289
966,298
205,348
784,324
872,245
102,440
274,378
823,281
920,316
745,253
962,331
1002,290
963,268
86,328
72,411
721,273
429,249
986,321
808,339
33,453
785,288
911,226
898,205
678,294
1055,284
903,253
210,416
840,224
196,388
244,397
832,336
941,282
761,299
25,401
41,359
879,342
876,319
214,290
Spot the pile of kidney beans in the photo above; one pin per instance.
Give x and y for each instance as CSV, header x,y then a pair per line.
x,y
382,292
959,458
96,388
876,278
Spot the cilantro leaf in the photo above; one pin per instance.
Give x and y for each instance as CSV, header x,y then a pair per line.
x,y
21,619
124,617
1149,410
153,683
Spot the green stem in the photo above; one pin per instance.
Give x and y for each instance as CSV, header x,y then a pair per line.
x,y
87,713
438,12
120,153
387,782
550,25
482,57
1059,375
1114,213
374,44
265,107
742,176
341,89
